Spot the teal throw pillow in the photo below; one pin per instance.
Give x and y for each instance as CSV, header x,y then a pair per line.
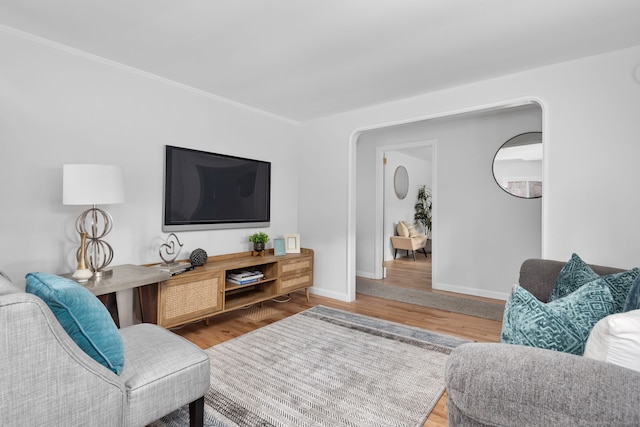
x,y
633,298
82,315
620,286
562,325
573,275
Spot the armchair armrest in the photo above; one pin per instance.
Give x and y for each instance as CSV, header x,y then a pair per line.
x,y
43,370
400,242
502,384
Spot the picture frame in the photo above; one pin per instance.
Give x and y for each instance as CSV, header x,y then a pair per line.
x,y
292,243
279,248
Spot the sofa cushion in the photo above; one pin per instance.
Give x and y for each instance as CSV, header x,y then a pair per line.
x,y
82,315
561,325
573,275
616,339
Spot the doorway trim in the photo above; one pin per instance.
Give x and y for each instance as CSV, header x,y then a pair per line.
x,y
351,173
379,236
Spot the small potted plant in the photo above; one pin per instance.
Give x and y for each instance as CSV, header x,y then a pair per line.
x,y
259,239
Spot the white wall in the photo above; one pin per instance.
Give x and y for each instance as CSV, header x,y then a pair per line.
x,y
590,125
59,107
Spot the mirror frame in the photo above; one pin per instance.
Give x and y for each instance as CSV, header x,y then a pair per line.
x,y
518,140
401,182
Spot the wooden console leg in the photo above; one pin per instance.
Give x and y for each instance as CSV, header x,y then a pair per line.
x,y
307,292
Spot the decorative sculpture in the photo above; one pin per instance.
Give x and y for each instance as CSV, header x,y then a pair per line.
x,y
169,248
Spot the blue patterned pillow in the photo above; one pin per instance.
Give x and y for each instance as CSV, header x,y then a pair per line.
x,y
574,274
633,298
82,315
562,325
620,286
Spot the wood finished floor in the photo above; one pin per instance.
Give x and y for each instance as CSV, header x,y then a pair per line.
x,y
230,325
406,272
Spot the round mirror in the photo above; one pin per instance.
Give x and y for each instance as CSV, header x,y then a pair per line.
x,y
517,166
401,182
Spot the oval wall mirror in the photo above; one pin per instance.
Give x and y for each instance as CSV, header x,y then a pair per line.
x,y
401,182
517,166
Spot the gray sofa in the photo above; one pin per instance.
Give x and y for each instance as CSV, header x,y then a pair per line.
x,y
46,379
492,384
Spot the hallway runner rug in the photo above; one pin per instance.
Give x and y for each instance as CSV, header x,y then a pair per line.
x,y
454,304
325,367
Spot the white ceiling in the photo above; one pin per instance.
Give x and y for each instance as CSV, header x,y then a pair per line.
x,y
304,59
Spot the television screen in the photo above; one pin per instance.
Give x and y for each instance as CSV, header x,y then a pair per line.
x,y
208,191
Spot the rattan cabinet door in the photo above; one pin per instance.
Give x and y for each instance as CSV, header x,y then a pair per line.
x,y
295,274
188,298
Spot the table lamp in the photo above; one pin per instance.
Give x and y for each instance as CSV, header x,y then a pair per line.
x,y
94,185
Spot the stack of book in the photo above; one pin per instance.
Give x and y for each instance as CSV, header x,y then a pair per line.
x,y
244,277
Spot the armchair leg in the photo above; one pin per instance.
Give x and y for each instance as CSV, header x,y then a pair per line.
x,y
196,413
395,254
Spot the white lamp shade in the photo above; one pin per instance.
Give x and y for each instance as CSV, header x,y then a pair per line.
x,y
92,185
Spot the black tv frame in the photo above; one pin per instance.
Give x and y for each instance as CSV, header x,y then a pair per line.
x,y
217,225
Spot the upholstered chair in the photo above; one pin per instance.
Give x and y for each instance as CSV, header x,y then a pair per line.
x,y
410,240
48,379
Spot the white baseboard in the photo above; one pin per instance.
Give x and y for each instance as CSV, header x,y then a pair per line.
x,y
329,294
471,291
366,274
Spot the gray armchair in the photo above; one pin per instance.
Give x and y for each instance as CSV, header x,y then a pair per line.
x,y
46,379
492,384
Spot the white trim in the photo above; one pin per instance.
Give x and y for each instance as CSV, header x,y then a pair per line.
x,y
379,237
471,291
315,290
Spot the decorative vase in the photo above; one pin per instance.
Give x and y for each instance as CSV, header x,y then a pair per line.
x,y
258,246
82,273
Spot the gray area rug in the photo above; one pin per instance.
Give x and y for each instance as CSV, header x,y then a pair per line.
x,y
325,367
454,304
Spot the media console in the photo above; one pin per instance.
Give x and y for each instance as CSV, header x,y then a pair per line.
x,y
204,292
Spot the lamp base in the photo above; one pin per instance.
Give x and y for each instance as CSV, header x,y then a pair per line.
x,y
102,274
82,275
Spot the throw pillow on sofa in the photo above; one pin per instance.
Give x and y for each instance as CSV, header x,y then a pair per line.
x,y
561,325
573,275
576,273
633,299
83,316
620,286
616,339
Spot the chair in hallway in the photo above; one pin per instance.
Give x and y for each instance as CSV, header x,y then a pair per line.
x,y
410,240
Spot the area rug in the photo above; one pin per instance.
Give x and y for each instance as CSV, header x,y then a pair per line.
x,y
468,306
325,367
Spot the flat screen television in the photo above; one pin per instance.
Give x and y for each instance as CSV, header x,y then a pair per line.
x,y
204,191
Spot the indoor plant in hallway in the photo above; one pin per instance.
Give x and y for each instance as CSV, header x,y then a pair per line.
x,y
423,208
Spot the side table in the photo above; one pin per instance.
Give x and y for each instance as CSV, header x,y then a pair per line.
x,y
122,282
